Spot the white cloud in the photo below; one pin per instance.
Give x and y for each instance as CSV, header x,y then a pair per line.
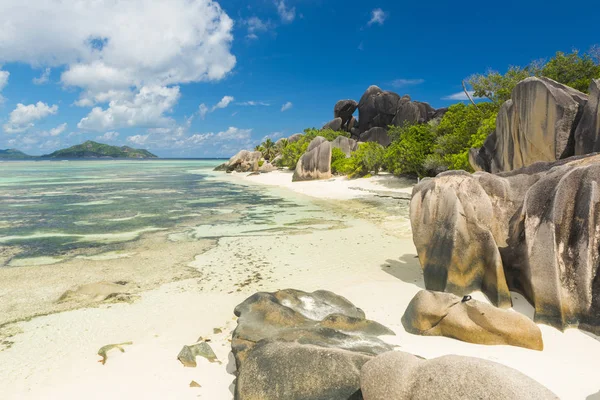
x,y
199,138
147,108
378,16
50,144
3,79
272,136
105,44
223,103
287,15
44,78
58,130
108,136
286,106
203,110
3,82
253,103
398,83
461,96
112,50
137,139
23,116
233,133
256,25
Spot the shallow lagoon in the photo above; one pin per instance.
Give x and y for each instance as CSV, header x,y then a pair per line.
x,y
53,210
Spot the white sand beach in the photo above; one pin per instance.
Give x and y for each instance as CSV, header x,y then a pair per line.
x,y
370,261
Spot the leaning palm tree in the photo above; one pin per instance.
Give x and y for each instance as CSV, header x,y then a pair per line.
x,y
268,147
280,145
258,147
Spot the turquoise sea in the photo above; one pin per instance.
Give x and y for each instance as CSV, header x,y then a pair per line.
x,y
52,210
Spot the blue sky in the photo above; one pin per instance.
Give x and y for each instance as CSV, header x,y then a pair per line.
x,y
196,78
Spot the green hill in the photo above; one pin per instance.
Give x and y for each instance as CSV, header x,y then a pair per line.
x,y
92,149
14,154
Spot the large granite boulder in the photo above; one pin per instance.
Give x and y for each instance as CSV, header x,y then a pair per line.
x,y
296,345
335,124
292,371
316,162
533,230
244,161
587,134
376,108
445,314
377,135
399,375
537,124
268,167
345,144
295,137
344,109
412,112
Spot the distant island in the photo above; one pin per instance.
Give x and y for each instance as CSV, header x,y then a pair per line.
x,y
88,149
14,154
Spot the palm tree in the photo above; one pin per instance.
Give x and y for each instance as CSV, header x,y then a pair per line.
x,y
268,147
283,143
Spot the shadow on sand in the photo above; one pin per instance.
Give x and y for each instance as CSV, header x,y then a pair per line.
x,y
407,269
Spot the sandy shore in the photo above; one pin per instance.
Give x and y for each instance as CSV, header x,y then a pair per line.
x,y
371,261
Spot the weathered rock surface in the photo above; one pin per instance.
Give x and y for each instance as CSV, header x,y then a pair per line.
x,y
537,124
296,345
445,314
345,144
399,375
335,124
344,109
295,137
377,135
376,108
534,230
316,162
188,354
412,112
267,167
244,161
98,291
587,134
279,370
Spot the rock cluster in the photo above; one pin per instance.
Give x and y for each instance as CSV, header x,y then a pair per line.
x,y
543,121
445,314
344,109
244,161
533,230
380,109
296,345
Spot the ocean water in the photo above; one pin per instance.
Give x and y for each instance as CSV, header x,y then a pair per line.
x,y
54,211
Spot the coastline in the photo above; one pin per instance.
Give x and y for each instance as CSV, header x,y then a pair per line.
x,y
369,259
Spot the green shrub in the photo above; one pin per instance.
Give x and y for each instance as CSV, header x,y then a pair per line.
x,y
261,163
368,158
337,159
460,129
292,153
407,154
